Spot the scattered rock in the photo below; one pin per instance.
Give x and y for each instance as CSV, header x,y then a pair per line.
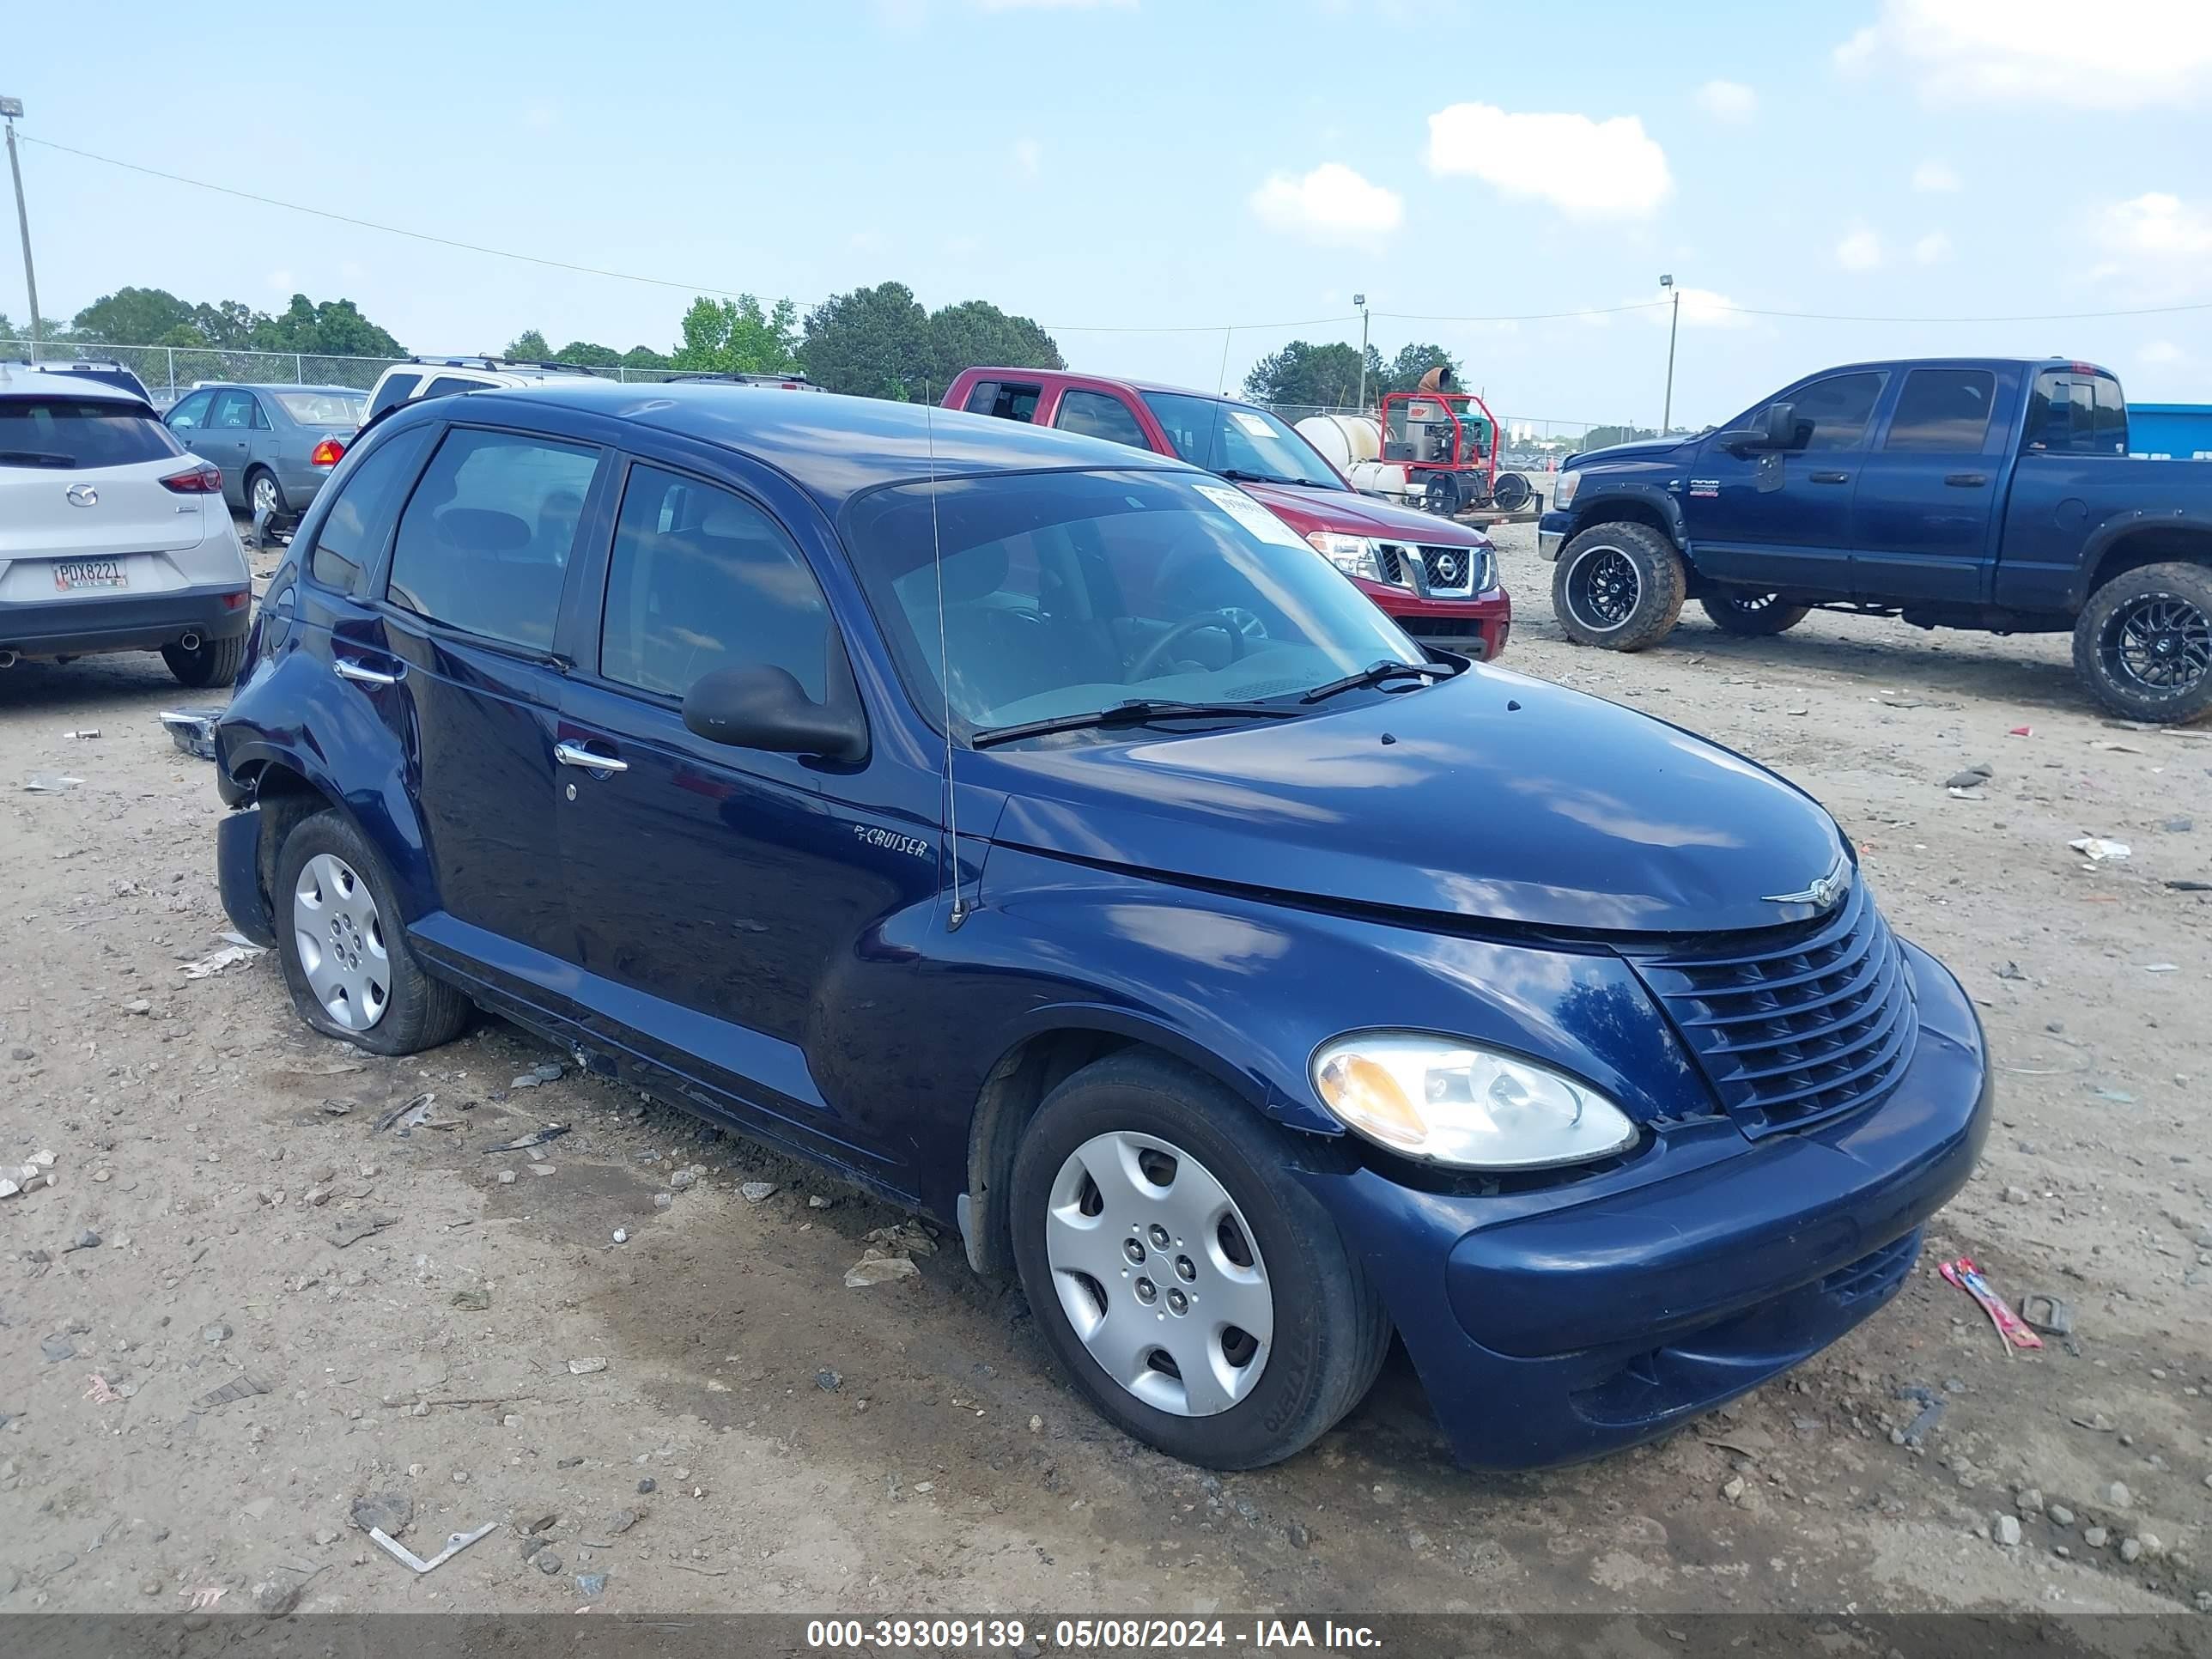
x,y
592,1584
663,1201
547,1561
2094,1537
472,1301
2131,1549
621,1521
2151,1544
648,1484
390,1512
86,1240
2060,1515
2007,1531
272,1600
1732,1489
758,1191
505,1177
2029,1502
216,1333
2118,1496
1298,1535
878,1270
1972,778
2016,1195
1037,1426
586,1367
57,1348
829,1380
682,1179
621,1234
816,1202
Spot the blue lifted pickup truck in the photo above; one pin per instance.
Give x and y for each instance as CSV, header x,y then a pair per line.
x,y
1985,493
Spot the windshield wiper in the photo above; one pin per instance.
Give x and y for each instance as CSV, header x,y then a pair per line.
x,y
1137,712
35,457
1237,475
1375,673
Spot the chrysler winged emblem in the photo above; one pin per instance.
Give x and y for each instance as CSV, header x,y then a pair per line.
x,y
1823,893
82,496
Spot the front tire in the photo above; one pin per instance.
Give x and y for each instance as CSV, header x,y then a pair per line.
x,y
211,662
1620,585
1197,1292
1758,616
2143,643
344,950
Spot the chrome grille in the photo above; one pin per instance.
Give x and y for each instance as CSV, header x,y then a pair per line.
x,y
1449,571
1448,567
1793,1025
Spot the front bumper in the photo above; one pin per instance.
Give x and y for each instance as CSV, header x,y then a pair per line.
x,y
1475,627
125,622
1551,536
1558,1325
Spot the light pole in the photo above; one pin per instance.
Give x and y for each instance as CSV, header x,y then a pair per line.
x,y
9,109
1674,322
1360,300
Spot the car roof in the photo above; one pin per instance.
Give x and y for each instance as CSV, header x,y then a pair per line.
x,y
271,385
14,379
1105,379
831,445
1962,362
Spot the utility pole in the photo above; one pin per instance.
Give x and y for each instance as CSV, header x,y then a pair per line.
x,y
9,109
1674,322
1360,300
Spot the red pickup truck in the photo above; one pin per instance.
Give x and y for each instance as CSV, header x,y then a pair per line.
x,y
1437,579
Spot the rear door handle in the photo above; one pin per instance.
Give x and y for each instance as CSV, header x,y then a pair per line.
x,y
574,754
347,669
1967,480
1832,477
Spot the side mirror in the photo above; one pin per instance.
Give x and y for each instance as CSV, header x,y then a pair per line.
x,y
762,707
1775,429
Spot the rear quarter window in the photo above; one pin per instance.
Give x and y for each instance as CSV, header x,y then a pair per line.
x,y
71,434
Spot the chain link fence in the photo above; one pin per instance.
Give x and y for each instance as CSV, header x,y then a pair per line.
x,y
1530,441
170,372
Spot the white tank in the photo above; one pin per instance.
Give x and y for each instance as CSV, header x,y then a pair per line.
x,y
1377,478
1344,439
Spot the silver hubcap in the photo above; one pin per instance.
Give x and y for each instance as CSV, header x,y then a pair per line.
x,y
264,494
1159,1273
340,938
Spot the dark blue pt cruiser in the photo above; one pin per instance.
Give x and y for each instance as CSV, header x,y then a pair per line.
x,y
1042,836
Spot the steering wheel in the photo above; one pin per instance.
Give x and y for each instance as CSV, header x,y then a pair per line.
x,y
1219,621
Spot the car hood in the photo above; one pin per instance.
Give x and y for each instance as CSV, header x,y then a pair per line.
x,y
1349,513
1489,796
1650,450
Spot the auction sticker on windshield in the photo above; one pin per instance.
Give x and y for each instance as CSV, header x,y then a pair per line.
x,y
1252,423
1249,513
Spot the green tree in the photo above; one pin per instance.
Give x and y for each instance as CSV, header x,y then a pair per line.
x,y
645,357
132,316
1323,376
873,342
585,355
976,332
740,337
1404,372
228,325
18,335
334,328
529,346
1599,436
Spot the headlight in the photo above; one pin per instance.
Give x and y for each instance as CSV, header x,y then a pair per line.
x,y
1355,555
1563,493
1452,1103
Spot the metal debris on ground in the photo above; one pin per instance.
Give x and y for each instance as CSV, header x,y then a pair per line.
x,y
216,961
2052,1315
354,1228
408,1115
2161,967
2010,1332
192,730
1931,1413
240,1387
85,734
455,1543
537,1137
2097,849
50,783
26,1176
2185,885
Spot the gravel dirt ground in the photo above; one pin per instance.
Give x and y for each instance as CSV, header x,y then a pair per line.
x,y
751,1434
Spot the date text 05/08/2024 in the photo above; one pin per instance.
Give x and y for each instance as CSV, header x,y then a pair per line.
x,y
1088,1635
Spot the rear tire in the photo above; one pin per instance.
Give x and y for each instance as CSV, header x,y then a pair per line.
x,y
1619,586
261,486
211,662
2143,643
408,1011
1197,1148
1754,615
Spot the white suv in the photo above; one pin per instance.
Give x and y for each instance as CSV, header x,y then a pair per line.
x,y
435,377
112,536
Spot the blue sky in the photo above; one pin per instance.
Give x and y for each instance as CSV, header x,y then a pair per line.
x,y
1138,164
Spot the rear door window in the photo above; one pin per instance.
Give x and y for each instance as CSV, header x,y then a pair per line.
x,y
483,545
233,412
1943,409
701,578
67,434
361,520
1098,415
396,389
1008,400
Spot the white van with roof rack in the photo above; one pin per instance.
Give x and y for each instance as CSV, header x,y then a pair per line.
x,y
438,377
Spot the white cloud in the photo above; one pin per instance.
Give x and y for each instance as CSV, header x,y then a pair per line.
x,y
1932,249
2125,54
1586,169
1727,100
1029,157
1935,176
2160,351
1860,251
280,282
1332,203
2158,226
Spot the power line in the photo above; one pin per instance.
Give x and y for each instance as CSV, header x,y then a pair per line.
x,y
1105,328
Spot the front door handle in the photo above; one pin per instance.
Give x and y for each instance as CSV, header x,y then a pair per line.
x,y
574,754
1832,477
1967,480
347,669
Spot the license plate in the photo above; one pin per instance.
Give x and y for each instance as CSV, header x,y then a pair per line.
x,y
72,575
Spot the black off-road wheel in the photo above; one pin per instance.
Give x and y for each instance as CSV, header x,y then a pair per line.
x,y
1755,615
211,662
344,947
1619,586
2143,643
1193,1288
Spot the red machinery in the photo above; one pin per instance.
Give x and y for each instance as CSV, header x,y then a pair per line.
x,y
1447,449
